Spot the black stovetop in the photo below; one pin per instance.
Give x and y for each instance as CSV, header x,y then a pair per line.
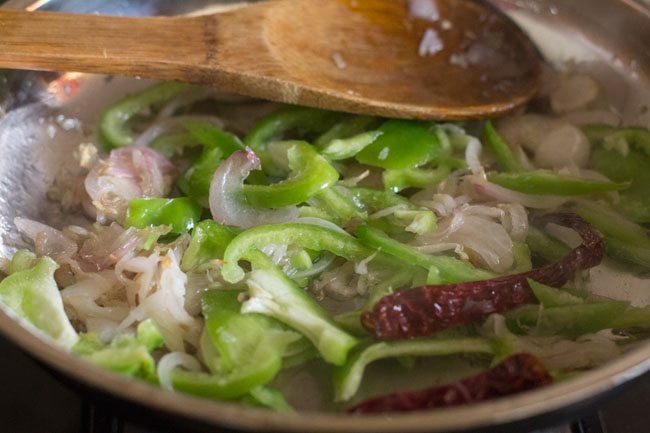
x,y
34,401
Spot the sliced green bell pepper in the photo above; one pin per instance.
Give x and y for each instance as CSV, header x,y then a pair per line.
x,y
33,296
115,128
128,355
347,128
181,214
339,204
306,236
273,294
542,182
275,125
402,144
211,136
624,240
623,154
544,246
347,378
243,351
569,320
310,173
398,180
344,148
446,269
195,182
502,152
209,242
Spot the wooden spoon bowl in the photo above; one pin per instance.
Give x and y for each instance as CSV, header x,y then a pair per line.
x,y
365,56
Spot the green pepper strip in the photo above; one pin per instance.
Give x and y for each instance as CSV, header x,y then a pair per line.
x,y
211,136
403,144
619,138
305,236
374,200
114,128
310,173
264,396
33,296
448,269
209,242
181,214
502,152
243,351
347,128
569,320
195,182
544,246
551,297
275,125
347,378
273,294
398,180
344,148
543,182
173,144
624,240
339,204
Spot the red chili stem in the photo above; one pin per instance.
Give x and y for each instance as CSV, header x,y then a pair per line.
x,y
515,374
429,309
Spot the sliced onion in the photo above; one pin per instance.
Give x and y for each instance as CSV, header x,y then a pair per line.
x,y
574,92
47,240
473,155
226,204
129,172
321,223
171,361
565,145
502,194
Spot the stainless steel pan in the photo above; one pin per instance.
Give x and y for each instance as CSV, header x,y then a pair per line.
x,y
43,116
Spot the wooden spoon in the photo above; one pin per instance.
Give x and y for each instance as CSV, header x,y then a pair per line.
x,y
365,56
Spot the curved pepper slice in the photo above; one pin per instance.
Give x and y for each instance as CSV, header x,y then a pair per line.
x,y
273,294
276,124
114,123
310,173
542,182
402,144
306,236
181,214
243,351
209,241
397,180
347,378
447,269
501,150
518,373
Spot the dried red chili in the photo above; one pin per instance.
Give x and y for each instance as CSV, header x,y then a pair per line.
x,y
429,309
517,373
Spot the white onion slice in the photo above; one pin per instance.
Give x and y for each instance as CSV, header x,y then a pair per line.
x,y
473,155
226,204
48,241
171,361
573,93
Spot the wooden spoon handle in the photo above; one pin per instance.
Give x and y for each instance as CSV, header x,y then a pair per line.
x,y
150,47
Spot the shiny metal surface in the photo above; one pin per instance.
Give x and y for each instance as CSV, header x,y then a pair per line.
x,y
44,116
